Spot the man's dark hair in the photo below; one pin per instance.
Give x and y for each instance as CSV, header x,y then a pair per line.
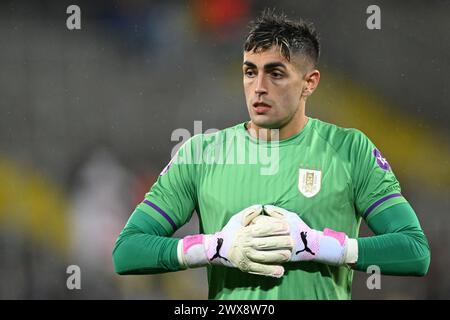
x,y
291,36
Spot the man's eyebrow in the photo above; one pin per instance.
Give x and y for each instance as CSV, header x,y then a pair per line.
x,y
249,64
268,66
273,65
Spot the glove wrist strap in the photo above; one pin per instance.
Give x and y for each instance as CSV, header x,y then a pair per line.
x,y
191,251
351,254
333,246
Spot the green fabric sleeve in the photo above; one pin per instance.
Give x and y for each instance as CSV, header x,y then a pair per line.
x,y
372,176
399,246
145,247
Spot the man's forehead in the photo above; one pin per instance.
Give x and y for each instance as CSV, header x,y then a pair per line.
x,y
273,55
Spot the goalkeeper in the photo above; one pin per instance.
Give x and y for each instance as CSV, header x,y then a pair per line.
x,y
290,234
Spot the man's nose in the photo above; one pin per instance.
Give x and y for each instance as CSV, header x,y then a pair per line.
x,y
261,85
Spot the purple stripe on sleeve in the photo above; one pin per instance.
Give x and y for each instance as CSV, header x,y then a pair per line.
x,y
376,204
161,211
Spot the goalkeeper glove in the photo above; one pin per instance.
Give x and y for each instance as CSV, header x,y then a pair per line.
x,y
329,247
241,245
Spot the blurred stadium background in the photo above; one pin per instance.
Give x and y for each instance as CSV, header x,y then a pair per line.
x,y
86,118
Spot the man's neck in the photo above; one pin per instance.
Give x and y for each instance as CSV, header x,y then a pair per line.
x,y
289,130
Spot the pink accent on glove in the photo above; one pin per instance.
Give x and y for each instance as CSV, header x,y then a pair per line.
x,y
190,241
339,236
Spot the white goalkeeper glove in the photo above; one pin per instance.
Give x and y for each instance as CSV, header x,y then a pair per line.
x,y
329,247
241,245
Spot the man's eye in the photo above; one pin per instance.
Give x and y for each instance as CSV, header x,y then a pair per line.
x,y
249,73
276,74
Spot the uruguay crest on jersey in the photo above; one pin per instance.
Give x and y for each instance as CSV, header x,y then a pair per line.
x,y
309,182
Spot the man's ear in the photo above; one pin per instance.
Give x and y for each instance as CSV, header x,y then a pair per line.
x,y
312,79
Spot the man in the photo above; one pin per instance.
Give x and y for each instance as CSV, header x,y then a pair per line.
x,y
290,232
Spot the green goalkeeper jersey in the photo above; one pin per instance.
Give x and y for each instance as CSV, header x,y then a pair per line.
x,y
331,176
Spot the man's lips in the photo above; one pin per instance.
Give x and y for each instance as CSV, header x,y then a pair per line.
x,y
261,107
